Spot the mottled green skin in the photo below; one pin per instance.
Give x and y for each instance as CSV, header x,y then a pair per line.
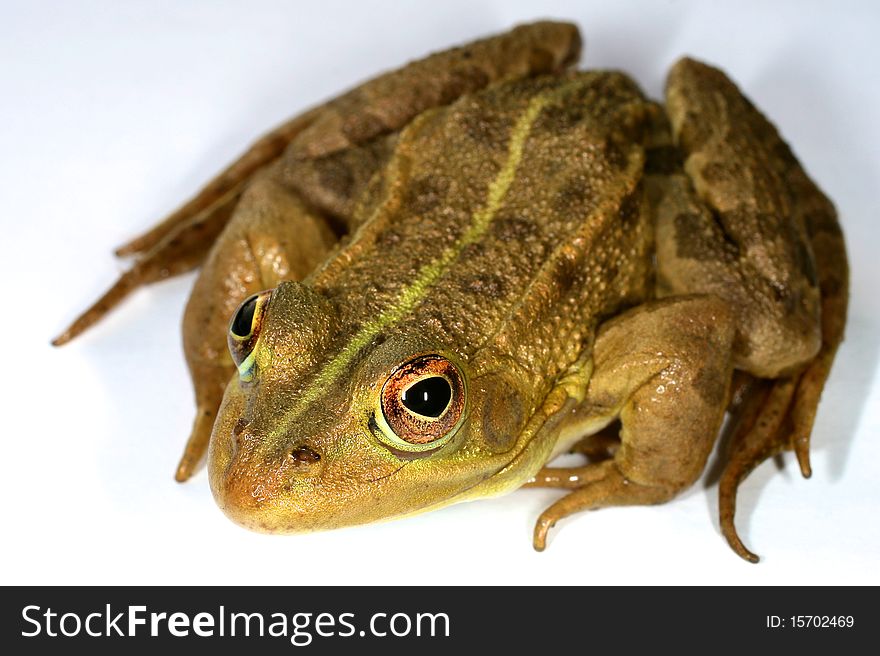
x,y
567,245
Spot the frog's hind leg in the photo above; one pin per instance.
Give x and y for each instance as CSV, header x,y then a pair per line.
x,y
759,431
180,242
778,415
214,201
378,107
664,369
179,251
745,222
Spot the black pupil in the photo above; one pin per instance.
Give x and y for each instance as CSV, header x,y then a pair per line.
x,y
428,397
244,318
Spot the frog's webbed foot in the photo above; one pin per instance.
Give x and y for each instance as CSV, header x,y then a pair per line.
x,y
776,415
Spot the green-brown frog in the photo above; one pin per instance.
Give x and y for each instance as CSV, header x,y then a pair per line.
x,y
484,259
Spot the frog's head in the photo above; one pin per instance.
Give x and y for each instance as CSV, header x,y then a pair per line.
x,y
321,430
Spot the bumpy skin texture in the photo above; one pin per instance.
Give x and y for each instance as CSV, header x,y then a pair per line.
x,y
598,269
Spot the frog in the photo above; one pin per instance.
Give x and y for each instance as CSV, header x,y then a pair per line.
x,y
424,290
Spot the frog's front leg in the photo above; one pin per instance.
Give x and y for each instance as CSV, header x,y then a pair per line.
x,y
663,369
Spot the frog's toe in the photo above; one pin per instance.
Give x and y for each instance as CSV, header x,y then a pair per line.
x,y
210,377
217,208
143,273
804,406
764,424
542,527
601,485
197,445
127,282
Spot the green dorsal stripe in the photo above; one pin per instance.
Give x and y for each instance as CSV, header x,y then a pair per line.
x,y
431,272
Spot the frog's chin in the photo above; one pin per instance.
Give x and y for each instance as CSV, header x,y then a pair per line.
x,y
284,491
268,498
278,503
280,498
290,514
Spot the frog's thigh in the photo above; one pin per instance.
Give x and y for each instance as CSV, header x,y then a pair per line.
x,y
272,237
734,222
664,370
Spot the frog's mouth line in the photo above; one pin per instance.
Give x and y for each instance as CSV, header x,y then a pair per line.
x,y
516,455
389,475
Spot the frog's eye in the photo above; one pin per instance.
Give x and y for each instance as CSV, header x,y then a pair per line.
x,y
422,404
244,331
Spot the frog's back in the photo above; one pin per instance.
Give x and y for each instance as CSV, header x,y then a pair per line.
x,y
512,219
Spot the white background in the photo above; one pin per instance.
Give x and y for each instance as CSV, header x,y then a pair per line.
x,y
113,113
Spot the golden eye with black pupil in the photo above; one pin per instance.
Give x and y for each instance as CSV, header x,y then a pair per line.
x,y
421,404
244,331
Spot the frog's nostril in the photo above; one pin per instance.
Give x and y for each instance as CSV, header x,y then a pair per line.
x,y
305,455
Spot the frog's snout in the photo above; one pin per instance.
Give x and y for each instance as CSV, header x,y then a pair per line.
x,y
256,481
